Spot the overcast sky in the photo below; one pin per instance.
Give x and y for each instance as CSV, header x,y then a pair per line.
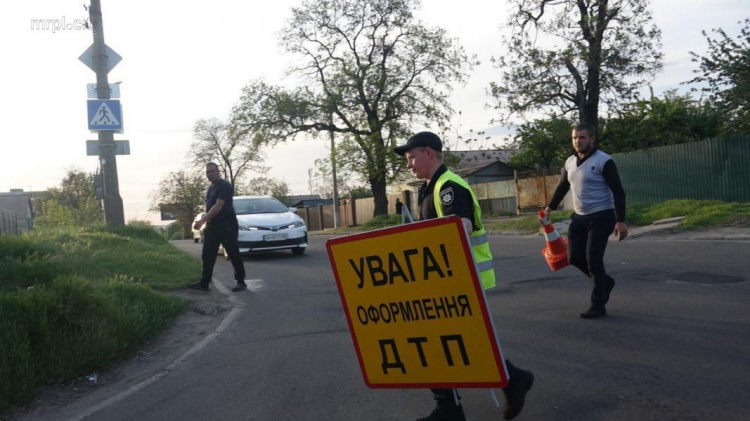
x,y
187,60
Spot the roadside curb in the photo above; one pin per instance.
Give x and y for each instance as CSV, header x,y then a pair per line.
x,y
238,308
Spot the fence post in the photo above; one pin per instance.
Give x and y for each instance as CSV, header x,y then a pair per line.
x,y
518,196
406,199
354,211
320,217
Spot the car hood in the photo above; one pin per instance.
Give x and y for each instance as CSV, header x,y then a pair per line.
x,y
270,220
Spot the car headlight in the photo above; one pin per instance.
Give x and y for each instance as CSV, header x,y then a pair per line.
x,y
297,224
248,228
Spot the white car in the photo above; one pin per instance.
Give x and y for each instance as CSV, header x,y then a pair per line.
x,y
266,224
198,234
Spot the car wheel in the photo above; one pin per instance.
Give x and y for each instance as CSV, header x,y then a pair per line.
x,y
298,251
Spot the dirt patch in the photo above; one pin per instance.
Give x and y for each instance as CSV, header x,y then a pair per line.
x,y
204,314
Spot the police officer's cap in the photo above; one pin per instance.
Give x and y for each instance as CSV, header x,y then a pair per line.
x,y
425,139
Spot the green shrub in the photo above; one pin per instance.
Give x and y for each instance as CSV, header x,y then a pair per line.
x,y
24,262
74,299
55,332
382,221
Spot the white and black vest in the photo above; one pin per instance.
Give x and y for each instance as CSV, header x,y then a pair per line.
x,y
590,190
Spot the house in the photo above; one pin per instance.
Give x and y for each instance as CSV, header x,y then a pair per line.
x,y
304,200
476,167
482,166
473,166
306,203
16,212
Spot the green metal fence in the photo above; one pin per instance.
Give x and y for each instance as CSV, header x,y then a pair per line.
x,y
714,169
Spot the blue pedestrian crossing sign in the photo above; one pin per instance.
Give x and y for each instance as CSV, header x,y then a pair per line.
x,y
105,114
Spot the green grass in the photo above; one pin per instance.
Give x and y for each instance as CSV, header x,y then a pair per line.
x,y
527,224
74,300
699,214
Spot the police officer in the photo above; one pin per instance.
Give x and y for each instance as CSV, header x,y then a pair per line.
x,y
444,193
221,228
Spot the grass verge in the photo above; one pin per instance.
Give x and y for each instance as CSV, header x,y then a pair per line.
x,y
698,214
74,300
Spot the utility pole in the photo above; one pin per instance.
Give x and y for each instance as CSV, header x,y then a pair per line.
x,y
335,183
113,209
310,180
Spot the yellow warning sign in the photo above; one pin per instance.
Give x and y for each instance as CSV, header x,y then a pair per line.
x,y
415,307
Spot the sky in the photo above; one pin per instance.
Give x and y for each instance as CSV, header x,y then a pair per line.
x,y
188,60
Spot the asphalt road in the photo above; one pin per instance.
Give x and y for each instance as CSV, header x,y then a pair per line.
x,y
675,345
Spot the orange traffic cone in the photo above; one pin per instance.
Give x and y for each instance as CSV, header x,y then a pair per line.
x,y
556,252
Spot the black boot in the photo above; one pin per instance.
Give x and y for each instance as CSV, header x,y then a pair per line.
x,y
595,311
446,410
515,394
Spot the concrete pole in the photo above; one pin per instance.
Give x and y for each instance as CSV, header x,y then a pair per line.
x,y
113,209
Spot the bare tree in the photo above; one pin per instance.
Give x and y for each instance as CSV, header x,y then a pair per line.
x,y
235,154
568,56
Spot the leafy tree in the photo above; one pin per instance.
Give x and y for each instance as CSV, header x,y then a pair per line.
x,y
235,154
268,186
663,121
568,56
370,70
726,70
73,203
543,144
185,193
345,178
360,192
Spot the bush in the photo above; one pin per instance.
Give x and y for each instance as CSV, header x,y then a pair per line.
x,y
74,299
382,221
24,262
55,332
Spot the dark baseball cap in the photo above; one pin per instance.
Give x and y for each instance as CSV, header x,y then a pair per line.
x,y
427,139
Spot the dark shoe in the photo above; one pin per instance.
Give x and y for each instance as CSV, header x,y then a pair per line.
x,y
241,286
199,287
445,413
515,393
594,312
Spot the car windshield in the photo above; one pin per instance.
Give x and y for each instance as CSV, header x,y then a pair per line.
x,y
258,205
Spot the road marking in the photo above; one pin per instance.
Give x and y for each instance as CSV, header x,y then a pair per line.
x,y
254,285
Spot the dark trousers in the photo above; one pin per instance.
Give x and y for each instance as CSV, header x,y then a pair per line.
x,y
226,235
587,241
446,395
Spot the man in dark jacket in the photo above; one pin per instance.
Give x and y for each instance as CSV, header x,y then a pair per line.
x,y
221,228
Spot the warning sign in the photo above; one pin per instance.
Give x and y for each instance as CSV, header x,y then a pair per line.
x,y
415,307
104,114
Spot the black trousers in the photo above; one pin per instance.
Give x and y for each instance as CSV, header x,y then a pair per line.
x,y
445,396
226,235
587,241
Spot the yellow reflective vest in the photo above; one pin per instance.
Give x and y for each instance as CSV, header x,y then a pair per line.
x,y
480,247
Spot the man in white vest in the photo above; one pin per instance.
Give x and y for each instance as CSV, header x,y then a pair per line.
x,y
445,193
598,210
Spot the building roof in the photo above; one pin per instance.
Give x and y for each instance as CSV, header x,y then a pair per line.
x,y
467,171
291,200
482,158
17,202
